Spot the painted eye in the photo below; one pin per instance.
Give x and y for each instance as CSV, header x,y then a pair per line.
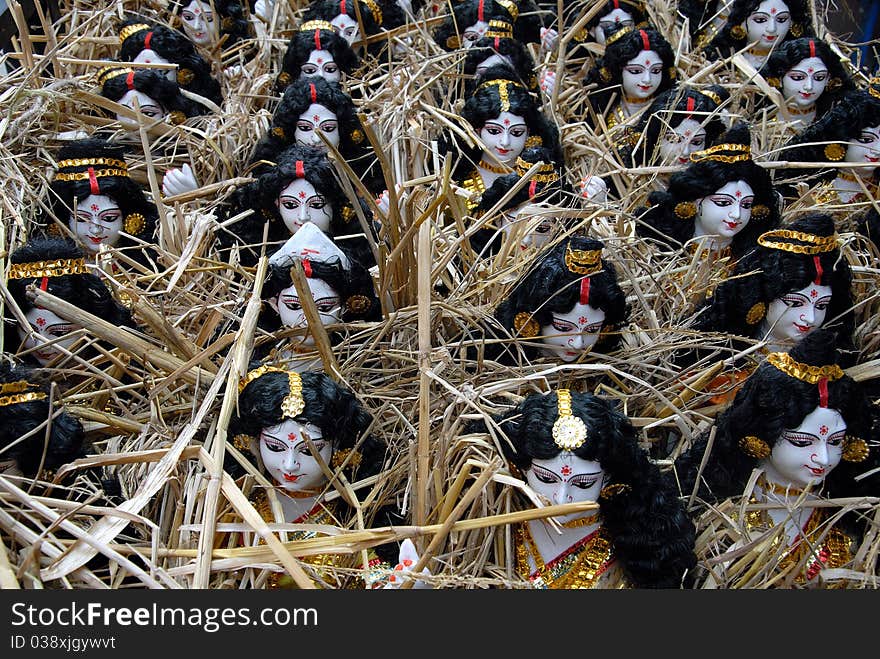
x,y
793,302
325,307
594,328
722,201
584,484
782,18
304,126
317,203
835,440
290,204
822,306
747,203
797,77
309,69
563,326
492,130
657,70
517,132
209,18
544,477
866,138
759,19
698,142
544,227
274,447
800,443
470,35
187,16
293,306
634,70
331,68
328,127
821,77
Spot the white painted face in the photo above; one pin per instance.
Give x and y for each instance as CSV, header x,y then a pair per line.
x,y
608,22
494,60
346,27
768,24
97,222
299,203
569,335
47,327
504,137
149,56
474,33
288,459
725,213
540,224
199,22
679,142
321,63
805,82
865,148
317,118
796,315
290,310
807,454
642,75
150,108
566,478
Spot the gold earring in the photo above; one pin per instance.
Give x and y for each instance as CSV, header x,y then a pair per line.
x,y
176,117
756,313
526,326
134,224
855,450
242,442
605,74
835,151
754,447
797,29
185,76
760,211
611,491
685,210
774,82
738,32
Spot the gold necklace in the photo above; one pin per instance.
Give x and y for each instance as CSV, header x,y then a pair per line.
x,y
759,52
580,521
767,486
797,112
852,178
592,557
636,101
503,169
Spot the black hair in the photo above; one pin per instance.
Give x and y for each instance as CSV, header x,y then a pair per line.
x,y
523,65
177,107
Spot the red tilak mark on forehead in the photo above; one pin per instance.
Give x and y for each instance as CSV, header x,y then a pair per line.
x,y
302,194
565,471
320,60
810,70
691,103
300,169
819,271
507,122
291,435
93,182
497,43
823,392
646,43
44,283
823,430
480,12
318,40
307,268
40,320
313,92
129,81
585,290
342,7
309,250
95,207
316,118
533,186
739,194
812,48
147,40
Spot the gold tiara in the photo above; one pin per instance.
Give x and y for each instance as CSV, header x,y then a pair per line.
x,y
619,34
82,176
583,261
85,162
308,26
54,268
503,93
804,372
523,166
109,72
15,387
745,153
21,398
374,8
511,8
293,404
817,244
569,431
710,94
499,29
129,30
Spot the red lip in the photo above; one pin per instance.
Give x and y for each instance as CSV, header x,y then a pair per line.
x,y
645,87
769,38
817,471
291,478
870,159
732,225
806,95
503,152
803,328
96,241
683,160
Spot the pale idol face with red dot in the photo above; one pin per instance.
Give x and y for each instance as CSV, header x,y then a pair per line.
x,y
805,82
148,106
616,19
97,221
346,27
865,147
769,24
566,478
504,138
539,224
681,141
199,22
317,118
642,75
725,213
299,203
494,60
321,63
807,454
569,335
287,457
149,56
474,33
47,326
798,314
290,310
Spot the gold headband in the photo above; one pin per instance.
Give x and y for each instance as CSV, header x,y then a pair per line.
x,y
21,398
129,30
98,173
85,162
569,431
293,404
818,244
499,29
502,85
583,261
710,94
546,172
511,8
15,387
308,26
874,87
55,268
374,8
804,372
109,72
744,150
620,34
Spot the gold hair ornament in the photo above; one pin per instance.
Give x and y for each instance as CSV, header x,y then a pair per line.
x,y
804,372
134,224
754,447
817,244
499,30
511,8
340,456
129,30
796,30
569,431
176,117
605,74
760,211
308,26
185,76
86,162
53,268
82,176
855,449
612,490
710,94
622,32
242,442
526,326
14,399
357,136
533,140
874,87
374,9
293,404
583,261
744,151
522,166
109,72
15,387
503,90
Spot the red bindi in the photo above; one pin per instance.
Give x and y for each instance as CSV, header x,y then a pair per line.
x,y
302,195
823,430
316,118
507,122
41,321
814,292
320,59
566,470
95,207
582,320
738,193
291,435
